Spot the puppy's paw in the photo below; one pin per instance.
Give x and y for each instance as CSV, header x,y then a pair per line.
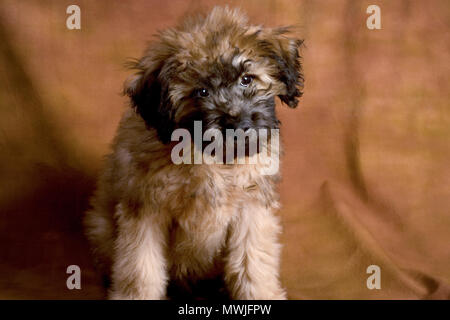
x,y
279,294
117,295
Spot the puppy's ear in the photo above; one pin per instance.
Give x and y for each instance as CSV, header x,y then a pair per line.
x,y
283,51
148,92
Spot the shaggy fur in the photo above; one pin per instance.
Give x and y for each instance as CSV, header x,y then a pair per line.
x,y
153,221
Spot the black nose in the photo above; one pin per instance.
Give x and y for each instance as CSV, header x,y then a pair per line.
x,y
244,125
237,123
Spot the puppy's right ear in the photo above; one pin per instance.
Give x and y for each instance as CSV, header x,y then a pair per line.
x,y
148,93
283,51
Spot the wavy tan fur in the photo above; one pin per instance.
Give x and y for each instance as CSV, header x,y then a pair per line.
x,y
153,221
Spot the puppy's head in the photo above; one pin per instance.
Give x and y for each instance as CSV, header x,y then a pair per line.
x,y
219,70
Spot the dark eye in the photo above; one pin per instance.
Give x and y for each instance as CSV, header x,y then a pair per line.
x,y
202,92
246,80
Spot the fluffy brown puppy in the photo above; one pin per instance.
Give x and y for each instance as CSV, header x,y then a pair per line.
x,y
153,220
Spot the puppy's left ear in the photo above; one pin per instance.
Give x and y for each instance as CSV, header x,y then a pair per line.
x,y
148,92
283,51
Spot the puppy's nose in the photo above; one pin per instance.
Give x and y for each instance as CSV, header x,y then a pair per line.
x,y
234,112
244,125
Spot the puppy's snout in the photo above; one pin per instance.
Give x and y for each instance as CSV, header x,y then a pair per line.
x,y
245,124
238,123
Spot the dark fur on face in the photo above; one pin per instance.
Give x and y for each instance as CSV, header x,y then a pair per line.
x,y
218,70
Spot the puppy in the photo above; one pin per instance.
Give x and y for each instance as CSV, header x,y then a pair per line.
x,y
153,220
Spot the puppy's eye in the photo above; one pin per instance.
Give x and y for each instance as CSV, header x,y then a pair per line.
x,y
246,80
202,92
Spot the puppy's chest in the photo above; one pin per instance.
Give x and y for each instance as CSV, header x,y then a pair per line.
x,y
203,205
199,191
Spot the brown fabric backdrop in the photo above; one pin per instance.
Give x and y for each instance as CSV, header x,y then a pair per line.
x,y
366,170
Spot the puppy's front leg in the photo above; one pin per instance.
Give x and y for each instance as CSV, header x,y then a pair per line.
x,y
139,266
252,263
